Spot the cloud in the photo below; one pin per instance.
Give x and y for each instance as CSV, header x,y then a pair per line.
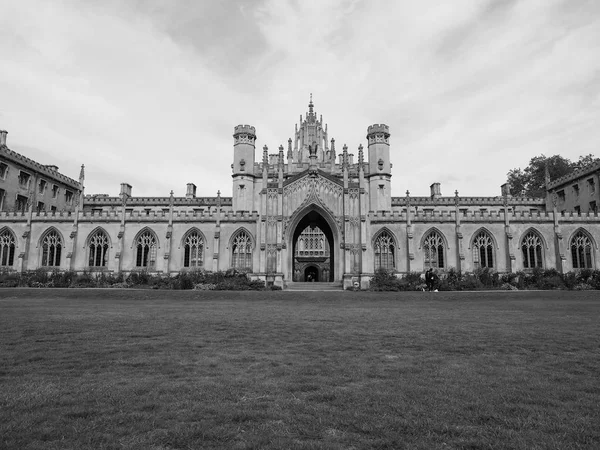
x,y
148,92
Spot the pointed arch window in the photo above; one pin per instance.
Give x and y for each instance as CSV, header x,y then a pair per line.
x,y
385,252
433,248
98,247
8,244
581,251
193,250
531,247
483,250
51,249
242,252
146,250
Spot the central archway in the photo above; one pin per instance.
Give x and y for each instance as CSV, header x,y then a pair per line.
x,y
313,249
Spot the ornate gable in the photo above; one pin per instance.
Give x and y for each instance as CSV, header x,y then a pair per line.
x,y
314,186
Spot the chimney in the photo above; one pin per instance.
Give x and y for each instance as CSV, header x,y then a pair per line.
x,y
191,190
435,190
3,134
350,158
505,189
125,190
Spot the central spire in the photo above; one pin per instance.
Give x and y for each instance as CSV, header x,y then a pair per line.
x,y
310,105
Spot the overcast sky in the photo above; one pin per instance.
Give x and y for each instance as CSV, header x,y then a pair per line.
x,y
148,92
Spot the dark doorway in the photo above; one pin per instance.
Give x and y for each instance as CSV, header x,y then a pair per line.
x,y
313,249
311,273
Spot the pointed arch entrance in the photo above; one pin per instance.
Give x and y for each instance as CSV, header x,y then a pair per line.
x,y
314,244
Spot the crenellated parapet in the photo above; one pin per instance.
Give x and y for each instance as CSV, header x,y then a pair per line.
x,y
378,134
468,201
244,134
90,201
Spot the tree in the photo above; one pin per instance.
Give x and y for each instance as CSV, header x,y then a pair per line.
x,y
531,181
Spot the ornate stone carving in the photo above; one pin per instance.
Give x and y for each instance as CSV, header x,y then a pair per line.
x,y
318,190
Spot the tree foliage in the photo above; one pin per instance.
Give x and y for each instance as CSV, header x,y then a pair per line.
x,y
531,181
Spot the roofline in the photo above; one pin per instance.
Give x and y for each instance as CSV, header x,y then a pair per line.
x,y
15,157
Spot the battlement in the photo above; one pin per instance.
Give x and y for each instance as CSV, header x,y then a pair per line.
x,y
467,201
44,216
378,128
442,216
158,201
14,216
211,216
244,129
577,173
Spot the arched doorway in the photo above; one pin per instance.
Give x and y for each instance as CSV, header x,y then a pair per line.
x,y
313,253
311,273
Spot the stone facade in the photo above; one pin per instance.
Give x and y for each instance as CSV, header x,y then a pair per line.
x,y
305,212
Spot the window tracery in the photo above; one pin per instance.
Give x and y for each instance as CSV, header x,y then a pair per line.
x,y
241,249
385,252
7,248
312,242
433,249
483,250
581,251
194,251
146,250
98,246
51,249
531,247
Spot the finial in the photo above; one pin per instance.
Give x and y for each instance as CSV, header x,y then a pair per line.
x,y
218,193
310,105
82,173
407,193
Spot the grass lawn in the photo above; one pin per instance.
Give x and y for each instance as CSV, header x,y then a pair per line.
x,y
126,369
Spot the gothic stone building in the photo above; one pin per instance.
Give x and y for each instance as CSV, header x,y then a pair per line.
x,y
306,212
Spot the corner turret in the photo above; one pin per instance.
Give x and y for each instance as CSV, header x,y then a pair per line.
x,y
380,169
244,140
